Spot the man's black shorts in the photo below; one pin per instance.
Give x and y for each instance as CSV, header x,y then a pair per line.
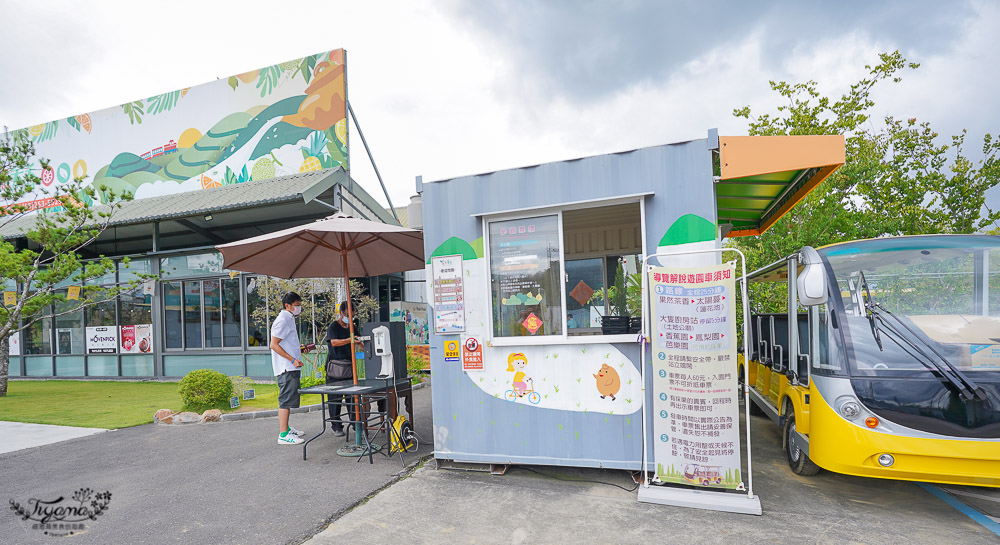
x,y
288,390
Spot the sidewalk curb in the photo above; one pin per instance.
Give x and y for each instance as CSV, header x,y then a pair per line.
x,y
270,413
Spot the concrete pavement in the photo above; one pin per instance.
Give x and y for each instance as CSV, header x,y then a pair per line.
x,y
213,483
15,436
447,506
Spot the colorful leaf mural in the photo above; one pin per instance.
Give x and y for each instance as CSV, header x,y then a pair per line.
x,y
282,119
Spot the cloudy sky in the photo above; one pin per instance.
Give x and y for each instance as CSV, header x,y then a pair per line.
x,y
447,88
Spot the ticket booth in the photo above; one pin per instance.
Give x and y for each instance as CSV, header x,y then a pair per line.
x,y
532,286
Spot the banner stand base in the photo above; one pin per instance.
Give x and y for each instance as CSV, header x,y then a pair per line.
x,y
701,499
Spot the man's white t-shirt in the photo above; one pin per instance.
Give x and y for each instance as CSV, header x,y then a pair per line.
x,y
284,329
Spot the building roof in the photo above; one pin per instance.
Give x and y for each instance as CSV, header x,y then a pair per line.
x,y
222,214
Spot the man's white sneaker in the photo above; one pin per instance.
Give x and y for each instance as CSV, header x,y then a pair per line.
x,y
295,432
289,439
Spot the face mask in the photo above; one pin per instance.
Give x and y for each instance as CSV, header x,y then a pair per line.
x,y
296,310
343,319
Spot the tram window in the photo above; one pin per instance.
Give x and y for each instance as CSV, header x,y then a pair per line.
x,y
821,358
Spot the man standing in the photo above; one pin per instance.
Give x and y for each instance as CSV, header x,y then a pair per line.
x,y
338,362
285,362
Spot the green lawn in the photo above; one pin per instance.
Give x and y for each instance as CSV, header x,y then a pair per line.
x,y
106,404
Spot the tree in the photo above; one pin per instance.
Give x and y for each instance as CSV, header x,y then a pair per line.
x,y
320,299
898,178
40,271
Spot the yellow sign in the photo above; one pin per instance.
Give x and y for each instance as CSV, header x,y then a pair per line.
x,y
9,298
451,352
73,292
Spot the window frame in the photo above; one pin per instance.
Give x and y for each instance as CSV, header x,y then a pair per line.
x,y
557,209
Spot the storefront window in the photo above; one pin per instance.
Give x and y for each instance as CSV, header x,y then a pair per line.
x,y
69,330
192,315
191,265
213,313
584,294
101,314
231,318
133,271
37,338
172,314
524,272
256,329
136,307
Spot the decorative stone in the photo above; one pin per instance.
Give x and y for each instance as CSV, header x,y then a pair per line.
x,y
164,416
212,415
187,418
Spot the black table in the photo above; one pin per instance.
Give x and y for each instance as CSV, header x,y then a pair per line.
x,y
357,399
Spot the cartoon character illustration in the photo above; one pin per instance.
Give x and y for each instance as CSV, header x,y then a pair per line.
x,y
516,362
608,382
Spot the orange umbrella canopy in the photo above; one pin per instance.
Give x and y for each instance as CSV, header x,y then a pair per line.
x,y
318,250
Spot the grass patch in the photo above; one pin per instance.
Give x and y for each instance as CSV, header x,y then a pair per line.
x,y
107,404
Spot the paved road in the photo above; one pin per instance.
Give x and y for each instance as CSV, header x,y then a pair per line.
x,y
200,483
442,506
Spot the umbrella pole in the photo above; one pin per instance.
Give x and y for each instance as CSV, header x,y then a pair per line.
x,y
358,447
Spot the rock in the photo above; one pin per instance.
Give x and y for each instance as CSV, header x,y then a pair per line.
x,y
187,418
212,415
164,416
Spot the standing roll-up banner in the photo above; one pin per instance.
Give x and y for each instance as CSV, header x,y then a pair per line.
x,y
689,332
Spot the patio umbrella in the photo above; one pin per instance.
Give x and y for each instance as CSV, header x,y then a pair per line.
x,y
338,245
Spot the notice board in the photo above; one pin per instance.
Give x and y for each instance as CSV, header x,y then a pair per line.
x,y
449,294
695,412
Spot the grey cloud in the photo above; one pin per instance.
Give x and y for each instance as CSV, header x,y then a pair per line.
x,y
586,51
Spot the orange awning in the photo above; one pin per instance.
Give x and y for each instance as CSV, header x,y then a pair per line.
x,y
763,177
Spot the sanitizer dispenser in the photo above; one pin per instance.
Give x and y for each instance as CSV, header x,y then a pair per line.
x,y
383,348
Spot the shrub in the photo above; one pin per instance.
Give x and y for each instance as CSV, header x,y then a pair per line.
x,y
414,365
205,388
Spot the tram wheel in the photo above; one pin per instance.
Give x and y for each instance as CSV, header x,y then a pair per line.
x,y
797,459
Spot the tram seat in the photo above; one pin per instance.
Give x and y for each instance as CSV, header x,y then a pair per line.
x,y
780,342
762,343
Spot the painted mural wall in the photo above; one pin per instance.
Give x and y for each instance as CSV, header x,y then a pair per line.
x,y
281,119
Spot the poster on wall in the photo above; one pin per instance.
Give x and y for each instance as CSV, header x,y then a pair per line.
x,y
281,119
472,354
414,315
102,340
449,294
695,406
524,264
137,339
14,344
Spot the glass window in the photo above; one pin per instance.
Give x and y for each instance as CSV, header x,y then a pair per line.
x,y
69,330
191,265
136,307
231,319
257,335
107,278
101,314
213,313
69,366
137,366
102,366
584,294
132,271
172,314
192,315
524,273
37,337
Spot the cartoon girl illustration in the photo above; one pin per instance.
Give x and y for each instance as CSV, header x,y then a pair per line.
x,y
516,362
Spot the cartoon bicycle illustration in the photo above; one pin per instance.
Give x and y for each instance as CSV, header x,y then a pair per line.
x,y
516,363
515,393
